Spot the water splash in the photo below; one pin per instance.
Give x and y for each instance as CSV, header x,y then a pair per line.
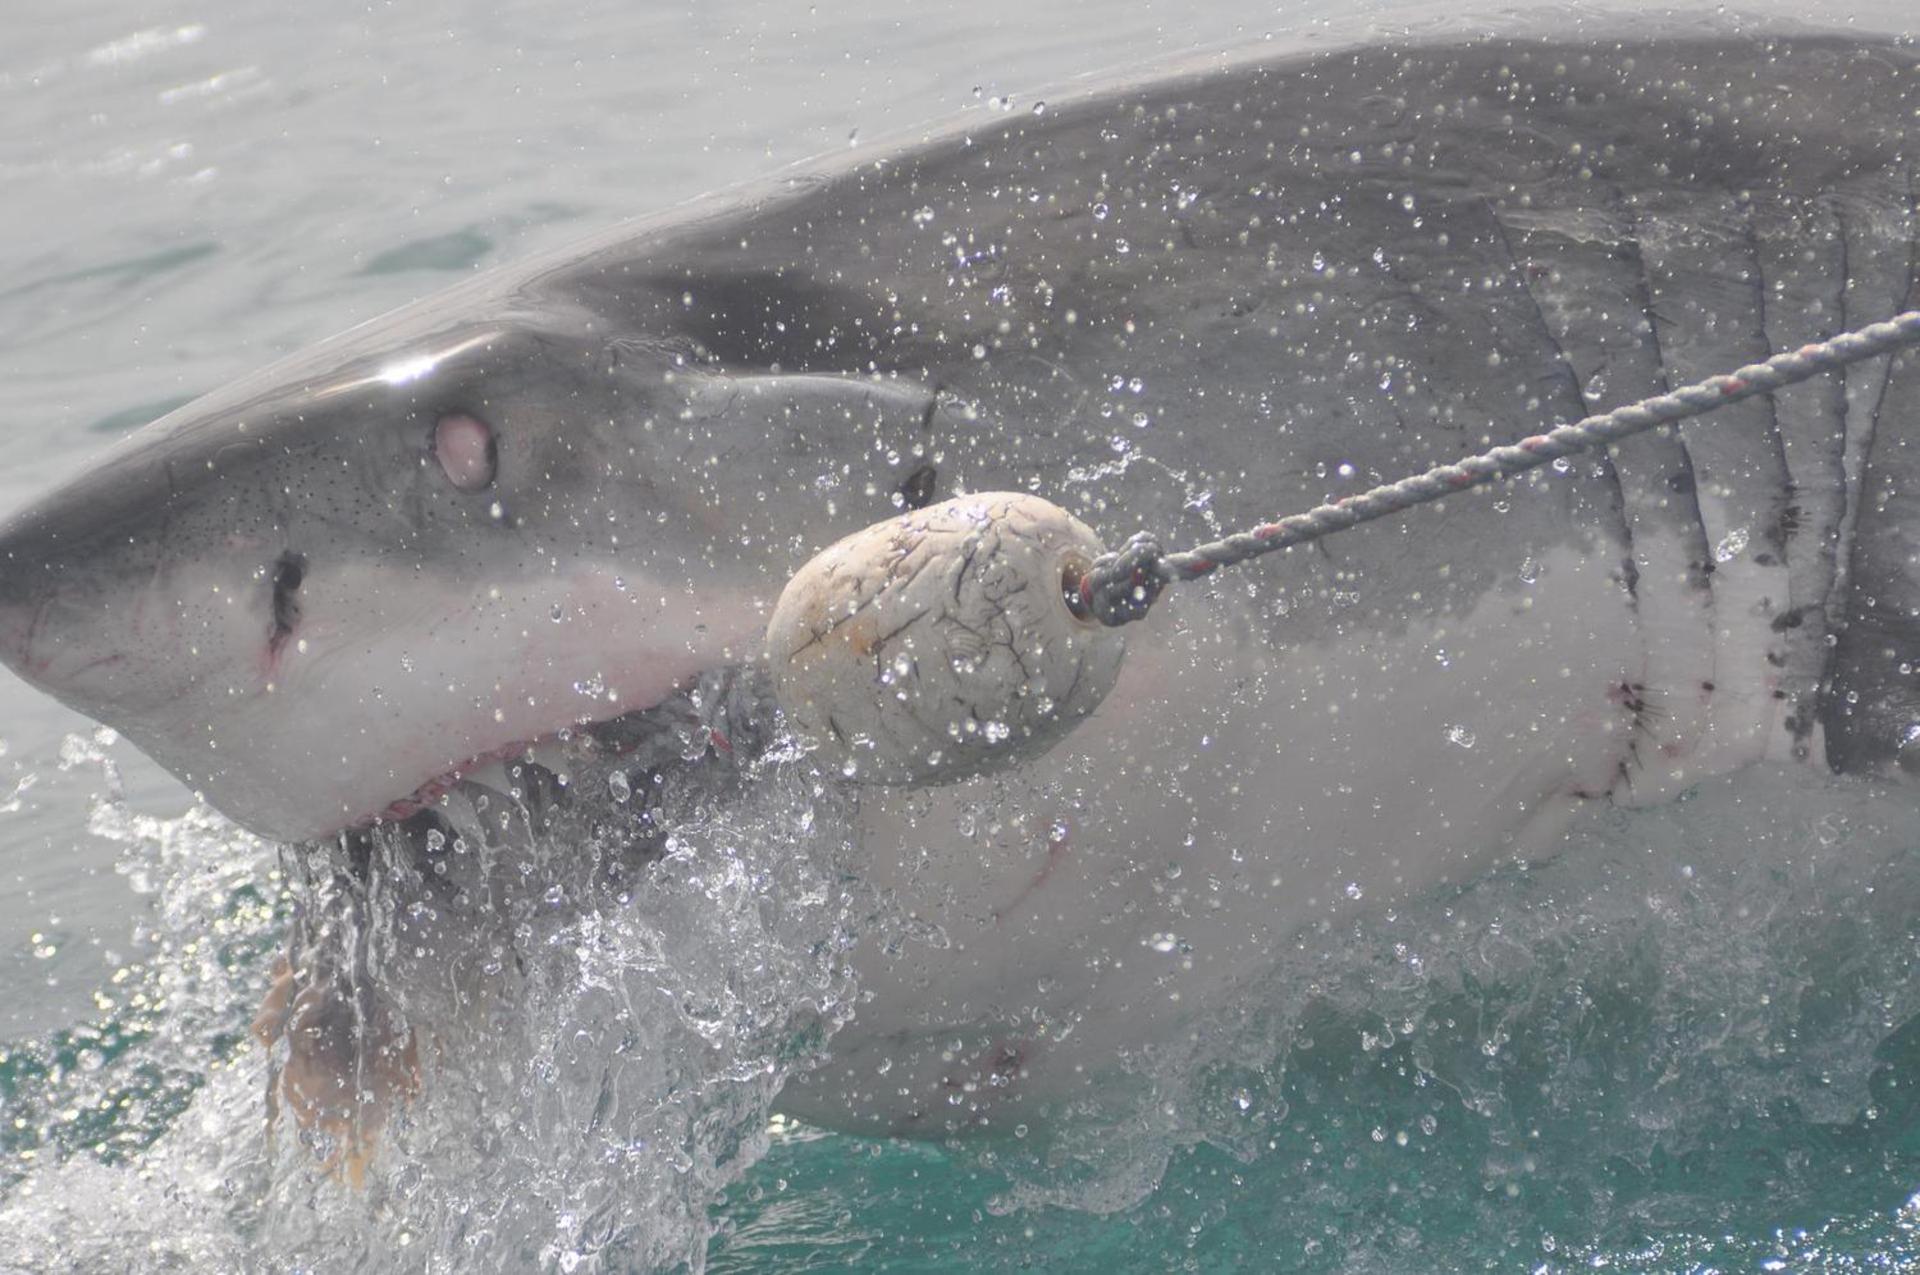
x,y
605,1000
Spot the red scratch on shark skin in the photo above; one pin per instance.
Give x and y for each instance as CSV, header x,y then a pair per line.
x,y
270,662
1058,839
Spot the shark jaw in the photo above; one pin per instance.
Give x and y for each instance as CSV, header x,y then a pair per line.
x,y
401,685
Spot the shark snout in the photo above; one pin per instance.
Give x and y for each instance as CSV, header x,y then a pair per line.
x,y
16,636
24,599
38,642
74,607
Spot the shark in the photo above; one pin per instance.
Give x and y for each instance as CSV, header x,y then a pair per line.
x,y
537,507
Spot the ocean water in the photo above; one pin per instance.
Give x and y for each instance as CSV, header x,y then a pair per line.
x,y
1691,1041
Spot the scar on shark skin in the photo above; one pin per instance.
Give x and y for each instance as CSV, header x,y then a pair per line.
x,y
1059,837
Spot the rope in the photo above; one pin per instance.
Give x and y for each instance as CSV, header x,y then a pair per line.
x,y
1121,586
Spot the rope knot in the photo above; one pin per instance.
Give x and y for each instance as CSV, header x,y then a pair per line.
x,y
1120,587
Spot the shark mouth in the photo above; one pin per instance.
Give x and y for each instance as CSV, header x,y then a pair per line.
x,y
725,713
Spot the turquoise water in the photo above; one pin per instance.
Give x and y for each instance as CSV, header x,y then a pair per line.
x,y
1687,1043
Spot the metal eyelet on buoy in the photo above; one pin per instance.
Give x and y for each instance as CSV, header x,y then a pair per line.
x,y
940,644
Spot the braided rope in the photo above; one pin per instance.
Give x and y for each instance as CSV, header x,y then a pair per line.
x,y
1122,586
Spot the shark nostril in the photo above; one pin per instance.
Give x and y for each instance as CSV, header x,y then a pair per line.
x,y
289,572
288,575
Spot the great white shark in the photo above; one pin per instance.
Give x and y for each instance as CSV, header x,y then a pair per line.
x,y
564,491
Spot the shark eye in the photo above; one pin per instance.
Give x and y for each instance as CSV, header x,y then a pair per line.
x,y
465,448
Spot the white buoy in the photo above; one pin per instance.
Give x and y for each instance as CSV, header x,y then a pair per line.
x,y
939,645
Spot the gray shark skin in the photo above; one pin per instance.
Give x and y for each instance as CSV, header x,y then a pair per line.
x,y
564,490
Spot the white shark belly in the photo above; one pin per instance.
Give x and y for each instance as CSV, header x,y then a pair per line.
x,y
1236,795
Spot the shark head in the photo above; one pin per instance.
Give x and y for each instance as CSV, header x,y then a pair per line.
x,y
320,593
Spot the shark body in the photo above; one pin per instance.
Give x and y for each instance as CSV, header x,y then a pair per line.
x,y
567,491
